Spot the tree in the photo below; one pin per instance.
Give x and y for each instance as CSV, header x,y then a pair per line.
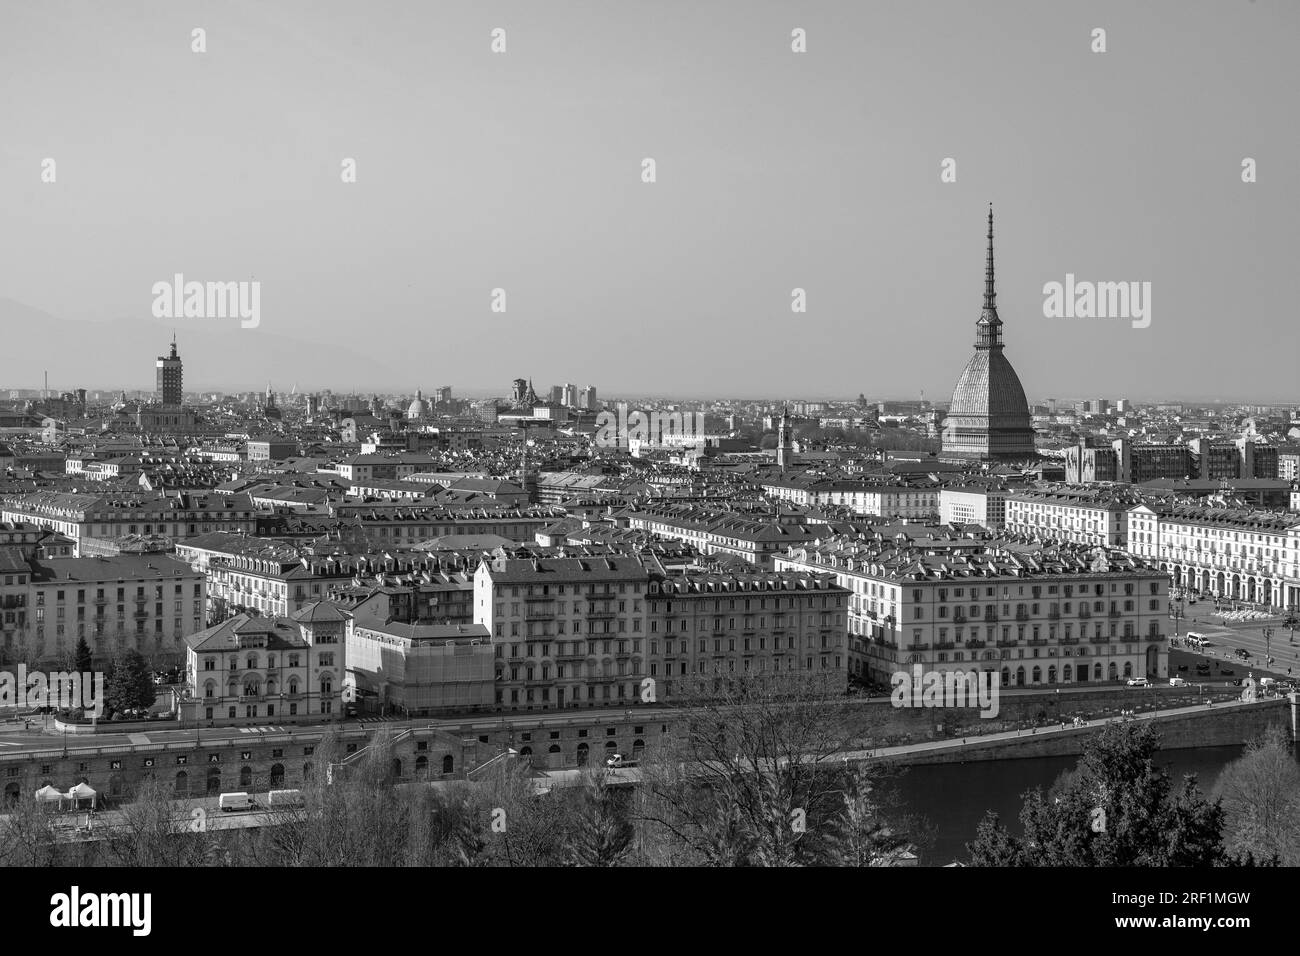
x,y
129,684
27,835
1117,808
1261,798
82,659
154,830
755,776
871,831
602,833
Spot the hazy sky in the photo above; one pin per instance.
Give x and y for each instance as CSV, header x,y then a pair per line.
x,y
775,170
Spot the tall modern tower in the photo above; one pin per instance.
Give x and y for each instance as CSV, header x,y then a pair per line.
x,y
171,390
989,418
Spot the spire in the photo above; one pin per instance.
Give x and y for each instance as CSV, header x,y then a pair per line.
x,y
990,297
989,327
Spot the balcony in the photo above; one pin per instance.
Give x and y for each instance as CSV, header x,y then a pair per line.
x,y
1009,643
1069,640
1036,641
539,613
1155,637
1022,616
991,618
1113,614
959,618
1053,615
944,645
975,643
595,612
914,647
1099,640
1084,613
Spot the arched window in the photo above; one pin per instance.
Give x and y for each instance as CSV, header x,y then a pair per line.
x,y
1128,669
277,775
1037,675
583,752
1067,673
1020,677
1006,677
306,771
270,686
1051,674
526,752
210,689
421,766
293,685
326,685
245,777
448,765
1113,671
1096,671
252,662
397,767
214,780
638,748
12,794
182,782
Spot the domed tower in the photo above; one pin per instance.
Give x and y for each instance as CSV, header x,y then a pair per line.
x,y
988,419
418,409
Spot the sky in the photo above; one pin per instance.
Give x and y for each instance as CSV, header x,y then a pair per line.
x,y
775,170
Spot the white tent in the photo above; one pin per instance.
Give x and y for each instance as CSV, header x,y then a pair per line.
x,y
47,794
81,792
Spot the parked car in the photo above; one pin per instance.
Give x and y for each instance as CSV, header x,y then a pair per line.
x,y
1228,671
1138,682
1177,682
1182,667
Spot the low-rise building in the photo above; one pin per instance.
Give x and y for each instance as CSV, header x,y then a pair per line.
x,y
249,669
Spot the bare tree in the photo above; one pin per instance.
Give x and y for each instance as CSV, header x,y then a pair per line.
x,y
754,775
155,829
27,835
1260,793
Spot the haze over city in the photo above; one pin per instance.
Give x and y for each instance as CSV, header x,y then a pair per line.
x,y
522,171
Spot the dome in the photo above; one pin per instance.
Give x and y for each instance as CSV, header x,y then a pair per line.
x,y
418,408
989,386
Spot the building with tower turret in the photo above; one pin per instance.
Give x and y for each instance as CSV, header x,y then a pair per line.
x,y
988,419
170,370
784,450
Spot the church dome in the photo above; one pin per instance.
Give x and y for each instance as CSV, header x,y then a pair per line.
x,y
418,409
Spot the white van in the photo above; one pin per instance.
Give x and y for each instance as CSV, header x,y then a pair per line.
x,y
285,798
1267,681
1198,639
235,801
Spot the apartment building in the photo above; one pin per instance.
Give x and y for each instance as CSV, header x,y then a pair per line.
x,y
1088,516
146,602
1228,552
753,537
113,516
984,505
591,631
916,501
249,669
1034,615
